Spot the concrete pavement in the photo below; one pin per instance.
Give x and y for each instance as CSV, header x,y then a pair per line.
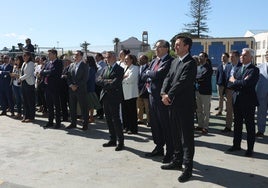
x,y
35,157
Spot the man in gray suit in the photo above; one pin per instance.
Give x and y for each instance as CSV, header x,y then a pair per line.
x,y
77,81
262,94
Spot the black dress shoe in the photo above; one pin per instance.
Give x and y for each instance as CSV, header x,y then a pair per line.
x,y
166,159
198,128
71,126
234,148
259,134
172,166
185,176
109,144
85,127
3,113
48,125
119,147
155,152
226,130
249,153
65,119
57,126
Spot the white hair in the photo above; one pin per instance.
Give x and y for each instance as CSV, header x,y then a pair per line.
x,y
250,50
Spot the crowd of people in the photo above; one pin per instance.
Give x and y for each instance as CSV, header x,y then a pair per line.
x,y
172,92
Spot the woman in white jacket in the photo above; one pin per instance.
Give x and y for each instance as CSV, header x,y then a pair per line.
x,y
131,92
27,80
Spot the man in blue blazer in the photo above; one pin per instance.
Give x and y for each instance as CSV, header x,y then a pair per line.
x,y
262,94
243,82
52,79
112,95
6,96
159,121
221,80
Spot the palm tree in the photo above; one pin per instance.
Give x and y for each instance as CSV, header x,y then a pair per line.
x,y
116,42
84,46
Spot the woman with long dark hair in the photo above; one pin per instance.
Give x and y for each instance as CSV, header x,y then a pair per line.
x,y
16,85
27,86
93,100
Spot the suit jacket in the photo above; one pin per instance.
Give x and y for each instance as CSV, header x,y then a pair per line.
x,y
79,78
143,93
5,79
204,81
221,74
111,83
179,83
28,73
244,86
262,85
130,83
230,69
53,71
156,78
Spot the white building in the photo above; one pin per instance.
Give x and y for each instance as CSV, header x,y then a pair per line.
x,y
261,43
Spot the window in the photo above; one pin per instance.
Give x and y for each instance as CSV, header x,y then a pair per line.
x,y
258,45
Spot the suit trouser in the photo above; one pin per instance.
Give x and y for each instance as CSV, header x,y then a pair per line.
x,y
81,98
28,93
53,100
64,100
98,91
244,111
111,110
203,109
262,113
143,104
229,108
7,98
221,97
160,124
182,126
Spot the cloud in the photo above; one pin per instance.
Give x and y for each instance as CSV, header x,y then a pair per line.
x,y
16,36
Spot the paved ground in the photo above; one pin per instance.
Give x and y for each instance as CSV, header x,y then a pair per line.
x,y
35,157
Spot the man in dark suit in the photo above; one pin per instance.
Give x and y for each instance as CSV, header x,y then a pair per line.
x,y
178,93
6,95
243,82
230,69
159,120
143,99
112,95
101,64
52,81
77,81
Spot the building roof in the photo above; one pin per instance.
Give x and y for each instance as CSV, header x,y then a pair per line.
x,y
132,41
251,33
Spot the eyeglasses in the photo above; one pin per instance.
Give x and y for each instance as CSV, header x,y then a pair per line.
x,y
157,47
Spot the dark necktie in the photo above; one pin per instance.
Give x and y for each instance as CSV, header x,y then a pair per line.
x,y
109,69
243,69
